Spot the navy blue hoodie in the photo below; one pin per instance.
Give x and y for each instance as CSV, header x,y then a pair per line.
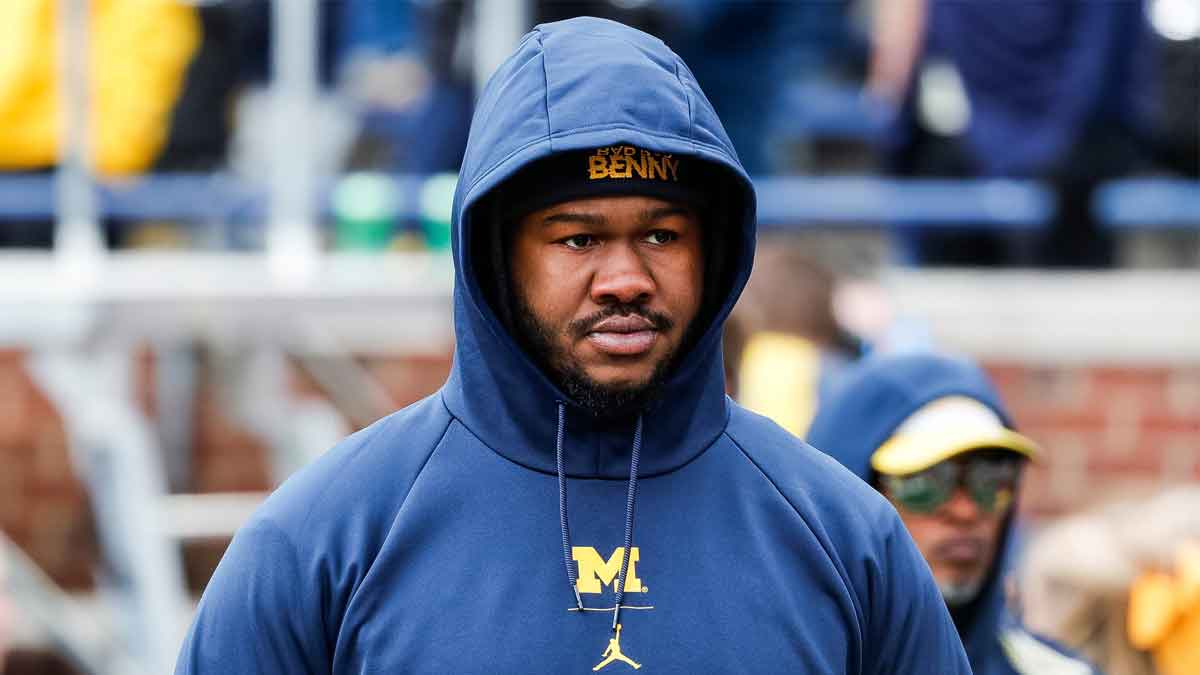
x,y
432,541
862,413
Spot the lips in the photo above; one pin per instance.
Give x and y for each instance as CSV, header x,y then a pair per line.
x,y
960,550
629,335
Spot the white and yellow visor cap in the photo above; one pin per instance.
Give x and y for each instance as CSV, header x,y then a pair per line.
x,y
945,428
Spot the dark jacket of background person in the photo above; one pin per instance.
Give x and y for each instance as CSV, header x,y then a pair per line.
x,y
417,109
1058,91
863,413
1043,76
201,120
430,541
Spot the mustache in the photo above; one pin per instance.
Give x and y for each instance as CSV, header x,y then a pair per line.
x,y
579,328
943,548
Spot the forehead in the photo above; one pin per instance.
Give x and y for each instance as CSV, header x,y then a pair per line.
x,y
612,211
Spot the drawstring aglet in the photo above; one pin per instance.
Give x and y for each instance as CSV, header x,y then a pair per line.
x,y
578,600
616,617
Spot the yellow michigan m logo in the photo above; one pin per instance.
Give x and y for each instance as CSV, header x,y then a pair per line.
x,y
596,572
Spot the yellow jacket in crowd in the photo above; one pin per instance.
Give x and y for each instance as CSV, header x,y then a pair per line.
x,y
139,51
1164,614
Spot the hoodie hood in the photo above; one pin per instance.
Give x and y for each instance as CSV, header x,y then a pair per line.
x,y
882,392
574,85
865,410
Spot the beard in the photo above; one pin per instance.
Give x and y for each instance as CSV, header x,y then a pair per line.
x,y
543,343
960,594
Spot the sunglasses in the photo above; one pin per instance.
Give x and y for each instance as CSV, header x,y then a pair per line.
x,y
989,480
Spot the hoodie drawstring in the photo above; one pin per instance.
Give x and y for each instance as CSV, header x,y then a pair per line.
x,y
634,455
631,499
562,504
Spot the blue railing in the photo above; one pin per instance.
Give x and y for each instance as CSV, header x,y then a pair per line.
x,y
1149,204
795,202
791,202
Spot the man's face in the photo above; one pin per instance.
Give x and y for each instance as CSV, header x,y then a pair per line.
x,y
958,539
606,289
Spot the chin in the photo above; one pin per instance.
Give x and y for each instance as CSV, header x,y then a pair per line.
x,y
960,592
610,388
617,377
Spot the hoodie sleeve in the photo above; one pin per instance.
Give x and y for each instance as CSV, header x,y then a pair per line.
x,y
256,615
910,628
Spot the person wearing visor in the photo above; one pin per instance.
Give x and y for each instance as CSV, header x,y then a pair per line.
x,y
931,434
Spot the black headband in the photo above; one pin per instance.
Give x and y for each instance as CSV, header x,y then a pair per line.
x,y
610,170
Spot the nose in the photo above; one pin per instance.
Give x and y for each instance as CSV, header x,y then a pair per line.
x,y
961,507
622,277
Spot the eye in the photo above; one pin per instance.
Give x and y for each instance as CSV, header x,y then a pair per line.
x,y
661,237
578,242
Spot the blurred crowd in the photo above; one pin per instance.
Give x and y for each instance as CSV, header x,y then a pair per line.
x,y
1069,93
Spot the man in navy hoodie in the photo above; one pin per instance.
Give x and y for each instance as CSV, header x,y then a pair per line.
x,y
603,231
931,434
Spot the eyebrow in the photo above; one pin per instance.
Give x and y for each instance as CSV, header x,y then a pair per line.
x,y
597,220
656,214
574,217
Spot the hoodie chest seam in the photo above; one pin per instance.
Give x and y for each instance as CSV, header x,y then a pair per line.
x,y
545,94
691,115
379,437
374,556
408,493
847,586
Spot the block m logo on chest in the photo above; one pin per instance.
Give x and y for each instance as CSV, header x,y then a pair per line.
x,y
595,572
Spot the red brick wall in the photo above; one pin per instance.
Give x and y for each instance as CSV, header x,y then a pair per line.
x,y
1107,432
44,508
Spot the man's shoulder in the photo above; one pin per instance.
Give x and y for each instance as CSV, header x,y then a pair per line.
x,y
810,479
364,478
290,572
